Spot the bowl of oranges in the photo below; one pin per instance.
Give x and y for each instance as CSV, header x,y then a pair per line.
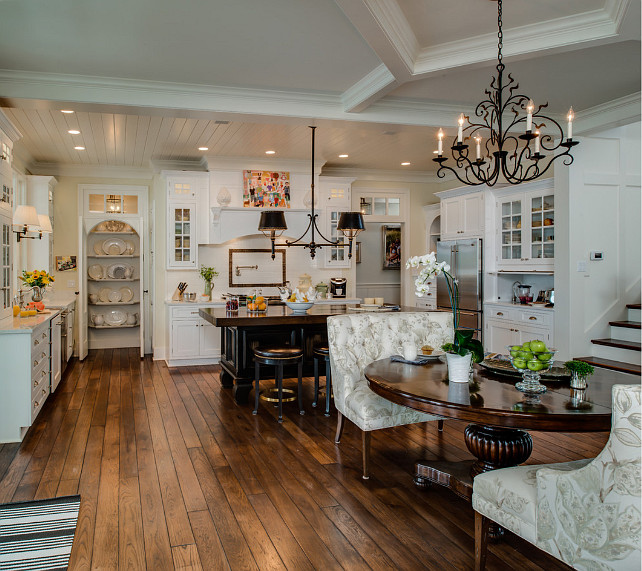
x,y
256,304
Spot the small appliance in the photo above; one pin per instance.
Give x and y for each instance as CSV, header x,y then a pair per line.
x,y
338,287
522,292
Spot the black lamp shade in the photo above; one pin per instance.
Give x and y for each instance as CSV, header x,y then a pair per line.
x,y
272,220
351,221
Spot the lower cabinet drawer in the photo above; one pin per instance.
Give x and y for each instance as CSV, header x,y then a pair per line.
x,y
38,401
40,381
184,312
538,319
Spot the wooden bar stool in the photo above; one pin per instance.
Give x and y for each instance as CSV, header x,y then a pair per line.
x,y
277,356
322,353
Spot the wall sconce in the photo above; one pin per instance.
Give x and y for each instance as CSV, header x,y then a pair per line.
x,y
28,220
45,225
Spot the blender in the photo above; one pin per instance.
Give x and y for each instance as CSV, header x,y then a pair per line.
x,y
523,293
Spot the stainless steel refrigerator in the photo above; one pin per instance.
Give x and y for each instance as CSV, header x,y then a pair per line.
x,y
466,265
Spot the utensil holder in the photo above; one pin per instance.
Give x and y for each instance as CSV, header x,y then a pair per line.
x,y
178,295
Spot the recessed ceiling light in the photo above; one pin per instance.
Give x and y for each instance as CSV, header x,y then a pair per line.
x,y
73,132
270,152
404,164
79,148
203,148
343,156
66,111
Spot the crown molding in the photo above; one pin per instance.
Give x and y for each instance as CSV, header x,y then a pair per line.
x,y
373,86
10,130
158,165
621,111
90,171
424,177
218,163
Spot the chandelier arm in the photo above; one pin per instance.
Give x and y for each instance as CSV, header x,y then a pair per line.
x,y
295,242
327,242
467,181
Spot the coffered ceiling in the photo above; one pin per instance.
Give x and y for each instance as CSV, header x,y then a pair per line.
x,y
156,79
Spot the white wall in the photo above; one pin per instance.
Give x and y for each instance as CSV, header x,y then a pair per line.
x,y
598,206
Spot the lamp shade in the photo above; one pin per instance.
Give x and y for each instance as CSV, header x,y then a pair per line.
x,y
351,221
272,220
45,224
26,216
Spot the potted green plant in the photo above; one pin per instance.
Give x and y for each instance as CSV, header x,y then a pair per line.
x,y
463,350
208,274
580,372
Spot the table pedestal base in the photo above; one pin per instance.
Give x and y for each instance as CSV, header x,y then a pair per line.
x,y
493,447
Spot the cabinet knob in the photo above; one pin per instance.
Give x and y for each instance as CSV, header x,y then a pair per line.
x,y
36,342
44,392
35,383
532,318
36,404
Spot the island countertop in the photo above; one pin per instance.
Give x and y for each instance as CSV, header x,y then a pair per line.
x,y
280,315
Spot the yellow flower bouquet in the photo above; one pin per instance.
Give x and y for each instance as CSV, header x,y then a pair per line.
x,y
37,278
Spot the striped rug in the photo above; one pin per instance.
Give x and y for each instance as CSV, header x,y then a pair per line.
x,y
37,535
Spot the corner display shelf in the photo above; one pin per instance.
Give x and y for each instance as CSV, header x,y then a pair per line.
x,y
97,238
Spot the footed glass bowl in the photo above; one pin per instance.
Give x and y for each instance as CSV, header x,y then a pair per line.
x,y
530,364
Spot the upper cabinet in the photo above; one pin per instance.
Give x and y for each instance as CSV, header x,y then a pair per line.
x,y
334,198
525,228
462,214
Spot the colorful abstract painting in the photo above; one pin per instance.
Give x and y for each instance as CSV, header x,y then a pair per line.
x,y
265,189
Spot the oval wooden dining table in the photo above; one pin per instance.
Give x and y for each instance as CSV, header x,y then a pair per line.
x,y
499,414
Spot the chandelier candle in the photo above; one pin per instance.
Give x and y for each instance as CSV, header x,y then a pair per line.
x,y
521,143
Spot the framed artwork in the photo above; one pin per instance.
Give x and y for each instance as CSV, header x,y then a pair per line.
x,y
391,247
266,189
256,268
64,263
357,252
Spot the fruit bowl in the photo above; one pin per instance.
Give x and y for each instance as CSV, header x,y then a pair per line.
x,y
299,307
531,359
256,304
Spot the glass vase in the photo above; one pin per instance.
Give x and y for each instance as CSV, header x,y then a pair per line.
x,y
208,290
578,381
459,367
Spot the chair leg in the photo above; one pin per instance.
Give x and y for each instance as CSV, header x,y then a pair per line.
x,y
481,541
337,436
365,445
279,377
301,411
316,381
440,425
328,387
256,388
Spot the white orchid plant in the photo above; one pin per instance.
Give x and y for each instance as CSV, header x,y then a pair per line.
x,y
429,268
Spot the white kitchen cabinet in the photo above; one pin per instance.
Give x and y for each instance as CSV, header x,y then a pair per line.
x,y
181,235
56,351
40,192
334,197
514,325
191,187
191,339
6,259
462,216
525,228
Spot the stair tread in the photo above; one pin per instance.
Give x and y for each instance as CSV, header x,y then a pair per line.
x,y
626,323
620,343
634,306
610,364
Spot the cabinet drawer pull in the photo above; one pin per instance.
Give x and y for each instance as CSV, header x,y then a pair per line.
x,y
35,383
44,392
193,312
499,313
532,318
36,342
43,354
44,335
429,294
36,404
35,363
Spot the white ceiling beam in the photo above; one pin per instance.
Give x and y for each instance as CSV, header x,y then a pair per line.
x,y
372,87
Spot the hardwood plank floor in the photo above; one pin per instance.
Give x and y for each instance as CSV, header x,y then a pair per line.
x,y
174,475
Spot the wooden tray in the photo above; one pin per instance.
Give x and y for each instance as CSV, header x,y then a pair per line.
x,y
557,373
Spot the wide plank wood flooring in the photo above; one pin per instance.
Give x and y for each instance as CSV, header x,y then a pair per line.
x,y
174,475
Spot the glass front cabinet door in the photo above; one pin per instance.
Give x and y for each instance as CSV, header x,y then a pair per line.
x,y
181,233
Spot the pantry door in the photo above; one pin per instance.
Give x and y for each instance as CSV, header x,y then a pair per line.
x,y
83,343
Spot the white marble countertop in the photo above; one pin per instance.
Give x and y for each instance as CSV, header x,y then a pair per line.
x,y
532,307
25,324
59,300
221,303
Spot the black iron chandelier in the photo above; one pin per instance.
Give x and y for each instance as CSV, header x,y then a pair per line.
x,y
272,224
502,152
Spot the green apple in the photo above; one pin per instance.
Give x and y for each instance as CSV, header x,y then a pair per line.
x,y
535,365
519,363
526,355
514,353
516,348
538,346
526,346
545,356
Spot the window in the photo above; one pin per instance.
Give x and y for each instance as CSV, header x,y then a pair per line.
x,y
113,203
380,205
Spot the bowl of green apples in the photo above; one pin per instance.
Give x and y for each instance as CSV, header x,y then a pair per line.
x,y
531,358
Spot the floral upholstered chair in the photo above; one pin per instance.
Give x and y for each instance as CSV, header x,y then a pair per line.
x,y
585,513
357,340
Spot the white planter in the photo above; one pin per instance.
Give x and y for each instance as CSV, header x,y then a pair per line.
x,y
458,367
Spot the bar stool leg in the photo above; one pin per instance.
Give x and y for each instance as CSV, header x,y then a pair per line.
x,y
328,386
316,381
256,388
301,411
279,377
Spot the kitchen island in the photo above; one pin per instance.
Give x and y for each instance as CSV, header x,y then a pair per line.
x,y
241,331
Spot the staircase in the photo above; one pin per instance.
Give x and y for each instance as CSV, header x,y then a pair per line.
x,y
620,351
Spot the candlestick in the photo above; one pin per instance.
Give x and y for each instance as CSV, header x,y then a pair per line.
x,y
537,142
440,146
529,118
478,140
570,118
460,134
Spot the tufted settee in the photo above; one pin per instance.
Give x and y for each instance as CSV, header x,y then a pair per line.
x,y
355,341
585,513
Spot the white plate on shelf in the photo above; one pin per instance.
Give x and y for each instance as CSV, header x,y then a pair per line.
x,y
117,271
103,294
130,248
126,294
114,246
115,317
98,249
114,296
95,272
